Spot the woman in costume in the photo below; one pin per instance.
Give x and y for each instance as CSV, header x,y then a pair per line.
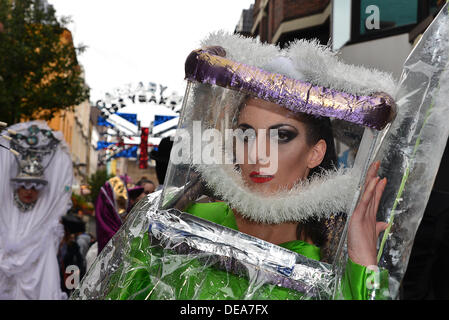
x,y
300,206
35,191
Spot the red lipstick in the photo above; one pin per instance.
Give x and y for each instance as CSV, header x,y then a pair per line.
x,y
260,178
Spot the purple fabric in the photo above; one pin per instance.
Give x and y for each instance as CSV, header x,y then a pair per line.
x,y
107,219
209,66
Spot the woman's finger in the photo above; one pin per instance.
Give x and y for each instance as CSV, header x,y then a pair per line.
x,y
368,193
370,209
380,187
372,172
380,226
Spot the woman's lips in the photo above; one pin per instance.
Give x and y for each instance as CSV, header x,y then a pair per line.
x,y
260,178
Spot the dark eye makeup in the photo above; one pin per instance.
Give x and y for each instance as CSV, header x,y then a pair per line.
x,y
285,132
286,135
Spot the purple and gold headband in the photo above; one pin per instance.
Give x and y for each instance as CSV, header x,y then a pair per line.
x,y
210,66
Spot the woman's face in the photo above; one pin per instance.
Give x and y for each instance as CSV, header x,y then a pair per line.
x,y
294,158
27,196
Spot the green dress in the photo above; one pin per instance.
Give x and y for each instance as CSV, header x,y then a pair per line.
x,y
153,274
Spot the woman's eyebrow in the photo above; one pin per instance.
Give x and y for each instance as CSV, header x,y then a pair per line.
x,y
280,125
245,126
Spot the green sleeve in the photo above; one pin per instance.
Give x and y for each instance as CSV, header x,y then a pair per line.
x,y
360,283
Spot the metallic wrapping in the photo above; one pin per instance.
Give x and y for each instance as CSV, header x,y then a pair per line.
x,y
209,66
184,237
230,248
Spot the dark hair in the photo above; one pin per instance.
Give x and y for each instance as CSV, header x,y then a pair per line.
x,y
73,224
317,128
142,181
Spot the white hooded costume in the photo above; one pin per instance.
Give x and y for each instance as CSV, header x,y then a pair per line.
x,y
29,240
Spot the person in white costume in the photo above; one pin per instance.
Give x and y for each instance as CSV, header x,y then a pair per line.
x,y
35,191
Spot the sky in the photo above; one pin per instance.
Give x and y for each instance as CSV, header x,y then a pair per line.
x,y
143,40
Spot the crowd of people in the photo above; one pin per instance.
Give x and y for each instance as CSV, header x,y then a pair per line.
x,y
79,248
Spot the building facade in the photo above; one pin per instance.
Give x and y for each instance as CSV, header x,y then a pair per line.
x,y
245,24
78,131
281,21
382,32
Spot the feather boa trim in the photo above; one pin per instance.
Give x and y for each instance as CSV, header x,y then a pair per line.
x,y
319,197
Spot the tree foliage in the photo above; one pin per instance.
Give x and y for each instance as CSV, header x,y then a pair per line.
x,y
39,71
95,182
81,203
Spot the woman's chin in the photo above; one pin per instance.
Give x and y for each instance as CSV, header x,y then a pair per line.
x,y
266,188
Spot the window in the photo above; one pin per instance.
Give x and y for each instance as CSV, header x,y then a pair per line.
x,y
372,19
378,15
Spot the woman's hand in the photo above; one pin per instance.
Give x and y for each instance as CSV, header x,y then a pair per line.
x,y
363,229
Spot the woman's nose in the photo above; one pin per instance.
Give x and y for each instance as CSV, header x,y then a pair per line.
x,y
252,152
257,150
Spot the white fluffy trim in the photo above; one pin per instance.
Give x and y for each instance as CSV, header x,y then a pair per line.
x,y
328,193
314,63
